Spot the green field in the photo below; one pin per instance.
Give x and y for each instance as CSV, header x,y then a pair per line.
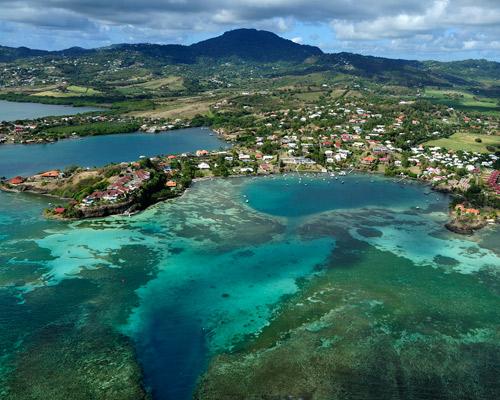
x,y
462,100
70,91
467,142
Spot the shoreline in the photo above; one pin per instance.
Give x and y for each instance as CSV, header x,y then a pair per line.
x,y
454,224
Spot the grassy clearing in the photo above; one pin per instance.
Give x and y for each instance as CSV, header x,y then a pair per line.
x,y
70,91
171,83
467,142
308,97
462,100
180,108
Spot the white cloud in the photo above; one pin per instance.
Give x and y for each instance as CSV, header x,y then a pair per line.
x,y
417,27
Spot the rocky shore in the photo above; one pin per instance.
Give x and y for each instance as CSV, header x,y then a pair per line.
x,y
464,226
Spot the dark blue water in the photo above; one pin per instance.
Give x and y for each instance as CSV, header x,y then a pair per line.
x,y
90,151
172,350
13,111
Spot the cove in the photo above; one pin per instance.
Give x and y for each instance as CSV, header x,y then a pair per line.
x,y
299,195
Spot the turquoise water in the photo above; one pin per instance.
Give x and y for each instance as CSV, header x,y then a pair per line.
x,y
13,111
195,277
90,151
294,196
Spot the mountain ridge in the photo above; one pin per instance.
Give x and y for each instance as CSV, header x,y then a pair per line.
x,y
196,49
250,44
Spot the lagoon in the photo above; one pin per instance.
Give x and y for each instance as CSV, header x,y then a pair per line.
x,y
90,151
169,289
13,111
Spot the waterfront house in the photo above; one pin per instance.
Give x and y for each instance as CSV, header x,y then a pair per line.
x,y
16,180
367,160
51,174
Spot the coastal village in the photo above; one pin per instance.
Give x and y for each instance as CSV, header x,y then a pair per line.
x,y
334,137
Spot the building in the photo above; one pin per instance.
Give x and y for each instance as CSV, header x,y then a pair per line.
x,y
16,180
51,174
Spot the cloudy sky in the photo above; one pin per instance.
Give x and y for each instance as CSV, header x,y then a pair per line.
x,y
416,29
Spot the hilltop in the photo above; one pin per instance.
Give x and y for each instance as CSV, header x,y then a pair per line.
x,y
247,44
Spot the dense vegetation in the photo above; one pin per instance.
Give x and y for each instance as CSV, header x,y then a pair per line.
x,y
94,129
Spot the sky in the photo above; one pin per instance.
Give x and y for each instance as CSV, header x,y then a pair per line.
x,y
411,29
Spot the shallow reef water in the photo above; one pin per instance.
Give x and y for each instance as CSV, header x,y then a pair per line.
x,y
299,286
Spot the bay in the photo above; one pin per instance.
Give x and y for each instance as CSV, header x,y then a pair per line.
x,y
90,151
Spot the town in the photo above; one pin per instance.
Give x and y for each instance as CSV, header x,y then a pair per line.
x,y
332,135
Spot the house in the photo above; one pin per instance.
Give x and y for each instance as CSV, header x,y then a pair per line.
x,y
142,175
244,157
472,211
50,174
203,165
111,195
93,197
59,210
16,180
246,169
298,161
171,184
367,160
200,153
